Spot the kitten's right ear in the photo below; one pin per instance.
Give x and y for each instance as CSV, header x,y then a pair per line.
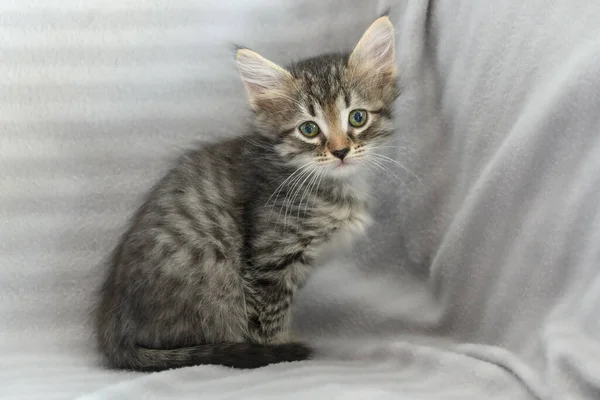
x,y
263,79
374,55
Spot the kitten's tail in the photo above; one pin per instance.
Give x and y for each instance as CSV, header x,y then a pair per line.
x,y
235,355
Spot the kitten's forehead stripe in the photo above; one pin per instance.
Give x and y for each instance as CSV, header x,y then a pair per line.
x,y
331,114
321,77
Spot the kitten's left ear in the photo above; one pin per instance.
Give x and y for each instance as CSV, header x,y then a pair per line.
x,y
263,79
374,54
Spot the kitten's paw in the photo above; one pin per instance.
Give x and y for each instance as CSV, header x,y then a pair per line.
x,y
282,338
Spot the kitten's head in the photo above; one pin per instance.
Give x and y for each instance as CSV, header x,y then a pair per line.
x,y
328,111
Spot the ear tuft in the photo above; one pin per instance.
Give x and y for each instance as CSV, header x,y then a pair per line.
x,y
261,77
375,52
236,47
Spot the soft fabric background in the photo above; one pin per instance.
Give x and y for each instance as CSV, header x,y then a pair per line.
x,y
480,279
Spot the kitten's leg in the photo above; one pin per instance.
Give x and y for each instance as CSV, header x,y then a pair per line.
x,y
271,299
270,308
284,333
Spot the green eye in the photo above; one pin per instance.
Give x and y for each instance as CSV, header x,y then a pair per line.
x,y
357,118
309,129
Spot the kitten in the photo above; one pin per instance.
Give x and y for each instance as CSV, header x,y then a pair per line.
x,y
209,265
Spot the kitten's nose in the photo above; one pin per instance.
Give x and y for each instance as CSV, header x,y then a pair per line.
x,y
341,153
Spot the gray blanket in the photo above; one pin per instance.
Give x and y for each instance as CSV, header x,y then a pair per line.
x,y
480,279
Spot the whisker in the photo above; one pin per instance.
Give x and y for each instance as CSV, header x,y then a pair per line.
x,y
382,169
317,179
293,191
383,147
386,171
316,191
383,158
292,185
286,180
297,192
289,180
385,167
307,189
386,141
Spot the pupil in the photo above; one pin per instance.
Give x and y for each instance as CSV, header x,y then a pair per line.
x,y
309,129
358,116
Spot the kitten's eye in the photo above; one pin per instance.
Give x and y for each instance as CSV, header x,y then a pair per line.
x,y
309,129
357,118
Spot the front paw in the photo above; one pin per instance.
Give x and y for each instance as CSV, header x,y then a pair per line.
x,y
284,337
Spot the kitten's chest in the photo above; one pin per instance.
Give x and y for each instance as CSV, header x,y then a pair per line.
x,y
341,223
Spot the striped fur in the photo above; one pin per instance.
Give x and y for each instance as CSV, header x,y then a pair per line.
x,y
207,270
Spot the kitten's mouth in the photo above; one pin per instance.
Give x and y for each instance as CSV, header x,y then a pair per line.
x,y
343,169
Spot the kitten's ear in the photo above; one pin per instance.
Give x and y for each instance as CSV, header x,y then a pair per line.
x,y
263,79
375,52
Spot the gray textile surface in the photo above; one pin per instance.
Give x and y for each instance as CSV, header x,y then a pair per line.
x,y
480,279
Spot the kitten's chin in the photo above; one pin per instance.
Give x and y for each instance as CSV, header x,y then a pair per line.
x,y
345,169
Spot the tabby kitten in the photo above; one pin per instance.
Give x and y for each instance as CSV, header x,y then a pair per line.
x,y
209,265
